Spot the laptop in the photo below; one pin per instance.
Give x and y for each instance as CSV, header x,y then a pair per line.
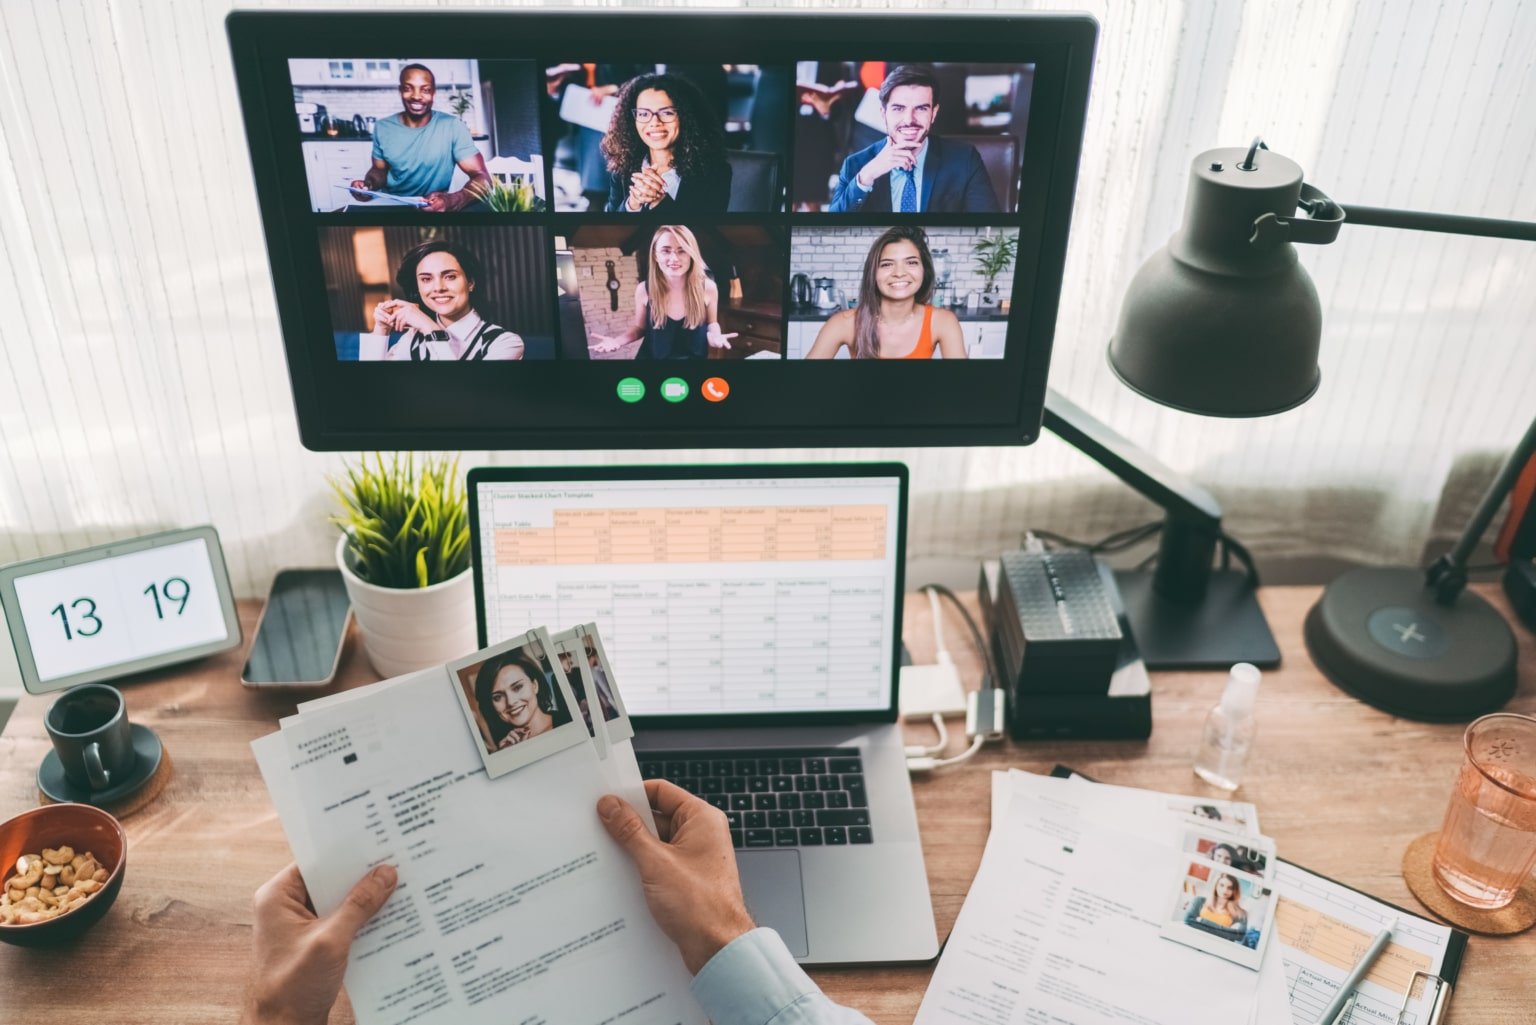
x,y
752,614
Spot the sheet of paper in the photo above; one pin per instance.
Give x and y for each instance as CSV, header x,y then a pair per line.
x,y
1321,925
1142,812
1325,927
577,108
381,198
1062,926
511,893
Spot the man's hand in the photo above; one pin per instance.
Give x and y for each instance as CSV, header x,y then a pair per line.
x,y
358,183
689,875
299,958
444,202
892,155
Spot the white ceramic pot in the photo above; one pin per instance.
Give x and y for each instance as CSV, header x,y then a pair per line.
x,y
406,629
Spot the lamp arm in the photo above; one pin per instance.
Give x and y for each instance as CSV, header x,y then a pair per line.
x,y
1325,217
1454,224
1448,576
1192,529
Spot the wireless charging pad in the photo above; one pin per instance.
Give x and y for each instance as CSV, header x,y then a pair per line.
x,y
1380,637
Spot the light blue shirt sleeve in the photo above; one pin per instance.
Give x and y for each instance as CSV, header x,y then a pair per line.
x,y
753,980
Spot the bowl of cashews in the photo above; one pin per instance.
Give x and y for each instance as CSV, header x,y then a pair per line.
x,y
61,867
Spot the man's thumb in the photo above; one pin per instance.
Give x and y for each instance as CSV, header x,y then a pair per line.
x,y
365,900
625,826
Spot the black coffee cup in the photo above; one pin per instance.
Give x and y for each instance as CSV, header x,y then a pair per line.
x,y
89,728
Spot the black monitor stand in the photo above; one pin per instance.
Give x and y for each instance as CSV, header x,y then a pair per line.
x,y
1184,613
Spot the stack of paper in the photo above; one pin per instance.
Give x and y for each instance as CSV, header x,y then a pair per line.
x,y
1103,904
479,781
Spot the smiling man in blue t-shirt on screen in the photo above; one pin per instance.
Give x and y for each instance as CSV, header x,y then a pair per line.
x,y
416,150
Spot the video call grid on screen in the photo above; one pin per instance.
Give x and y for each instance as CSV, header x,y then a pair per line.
x,y
713,596
434,205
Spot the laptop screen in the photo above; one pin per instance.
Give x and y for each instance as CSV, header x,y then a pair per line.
x,y
718,591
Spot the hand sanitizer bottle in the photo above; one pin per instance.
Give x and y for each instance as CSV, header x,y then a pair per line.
x,y
1229,729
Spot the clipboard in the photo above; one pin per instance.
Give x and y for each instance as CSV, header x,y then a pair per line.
x,y
1455,947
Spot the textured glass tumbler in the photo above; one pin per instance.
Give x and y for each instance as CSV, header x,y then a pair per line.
x,y
1487,845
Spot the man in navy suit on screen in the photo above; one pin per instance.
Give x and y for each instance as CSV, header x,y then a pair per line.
x,y
911,171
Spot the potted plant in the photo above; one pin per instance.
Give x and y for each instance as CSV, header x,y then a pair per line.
x,y
994,255
404,555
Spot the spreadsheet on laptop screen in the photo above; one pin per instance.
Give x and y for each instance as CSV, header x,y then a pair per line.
x,y
711,595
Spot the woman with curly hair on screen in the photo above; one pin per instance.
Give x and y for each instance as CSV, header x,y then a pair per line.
x,y
665,150
893,319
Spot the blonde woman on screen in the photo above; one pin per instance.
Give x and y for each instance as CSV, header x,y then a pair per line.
x,y
893,320
677,307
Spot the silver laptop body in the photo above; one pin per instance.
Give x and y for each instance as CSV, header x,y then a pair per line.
x,y
862,899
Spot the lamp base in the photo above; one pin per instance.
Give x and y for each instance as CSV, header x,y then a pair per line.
x,y
1380,637
1225,628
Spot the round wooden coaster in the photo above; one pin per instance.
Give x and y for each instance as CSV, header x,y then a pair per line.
x,y
1517,916
139,798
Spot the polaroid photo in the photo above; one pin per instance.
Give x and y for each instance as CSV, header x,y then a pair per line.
x,y
572,658
1246,852
518,704
615,715
1234,816
1222,911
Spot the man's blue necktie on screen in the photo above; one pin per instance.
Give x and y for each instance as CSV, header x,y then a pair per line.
x,y
908,192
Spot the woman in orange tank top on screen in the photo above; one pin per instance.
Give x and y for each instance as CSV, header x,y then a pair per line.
x,y
893,319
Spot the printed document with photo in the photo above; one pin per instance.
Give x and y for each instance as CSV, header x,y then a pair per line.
x,y
511,893
1063,924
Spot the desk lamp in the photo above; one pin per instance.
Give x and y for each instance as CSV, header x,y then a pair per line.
x,y
1223,321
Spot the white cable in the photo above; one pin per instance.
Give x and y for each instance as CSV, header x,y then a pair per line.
x,y
940,648
929,764
919,751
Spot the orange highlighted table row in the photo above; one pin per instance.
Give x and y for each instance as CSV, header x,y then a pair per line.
x,y
684,535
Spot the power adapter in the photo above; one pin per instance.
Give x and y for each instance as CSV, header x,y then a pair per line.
x,y
930,690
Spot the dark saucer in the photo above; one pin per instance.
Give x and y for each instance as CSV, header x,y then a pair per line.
x,y
53,783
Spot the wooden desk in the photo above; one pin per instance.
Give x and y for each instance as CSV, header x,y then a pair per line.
x,y
1341,787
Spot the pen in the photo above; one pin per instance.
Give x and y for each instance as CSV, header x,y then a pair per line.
x,y
1349,1005
1335,1010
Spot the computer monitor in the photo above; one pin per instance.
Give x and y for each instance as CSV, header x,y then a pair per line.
x,y
529,229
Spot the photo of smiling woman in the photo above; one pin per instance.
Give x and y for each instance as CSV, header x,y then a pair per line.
x,y
516,700
677,308
893,319
438,294
665,150
437,318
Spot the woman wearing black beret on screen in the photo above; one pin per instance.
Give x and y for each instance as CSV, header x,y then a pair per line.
x,y
665,150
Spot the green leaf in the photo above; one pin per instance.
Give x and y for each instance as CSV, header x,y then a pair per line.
x,y
407,524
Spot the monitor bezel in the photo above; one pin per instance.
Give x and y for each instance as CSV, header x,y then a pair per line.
x,y
483,475
1062,46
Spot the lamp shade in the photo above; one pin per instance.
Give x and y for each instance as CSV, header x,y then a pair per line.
x,y
1214,322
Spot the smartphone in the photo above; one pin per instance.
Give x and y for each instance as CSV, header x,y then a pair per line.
x,y
301,632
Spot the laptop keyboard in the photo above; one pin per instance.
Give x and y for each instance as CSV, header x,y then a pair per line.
x,y
805,797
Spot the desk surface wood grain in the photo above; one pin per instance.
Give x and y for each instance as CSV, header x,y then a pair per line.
x,y
1341,787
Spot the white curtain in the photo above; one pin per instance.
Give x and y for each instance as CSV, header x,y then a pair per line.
x,y
142,378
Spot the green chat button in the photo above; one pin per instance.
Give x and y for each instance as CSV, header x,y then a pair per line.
x,y
631,389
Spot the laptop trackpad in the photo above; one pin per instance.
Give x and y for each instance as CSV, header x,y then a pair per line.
x,y
770,880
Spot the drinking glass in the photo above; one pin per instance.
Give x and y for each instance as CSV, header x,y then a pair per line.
x,y
1487,845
